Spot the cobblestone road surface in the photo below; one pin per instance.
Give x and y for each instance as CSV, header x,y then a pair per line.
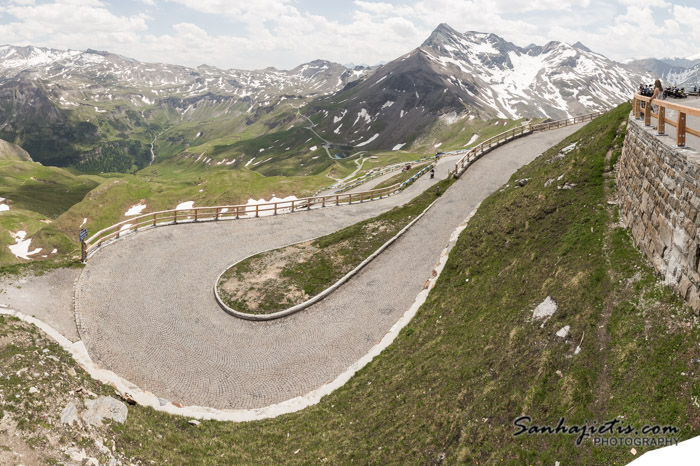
x,y
148,313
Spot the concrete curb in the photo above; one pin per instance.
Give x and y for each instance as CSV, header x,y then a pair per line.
x,y
145,398
321,295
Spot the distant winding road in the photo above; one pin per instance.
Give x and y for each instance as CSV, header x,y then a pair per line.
x,y
148,313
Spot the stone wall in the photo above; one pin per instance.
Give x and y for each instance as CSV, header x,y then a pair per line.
x,y
659,194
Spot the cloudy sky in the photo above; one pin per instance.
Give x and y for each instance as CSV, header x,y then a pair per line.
x,y
250,34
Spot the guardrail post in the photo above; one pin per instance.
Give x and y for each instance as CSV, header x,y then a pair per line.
x,y
154,219
196,213
647,114
217,214
337,199
292,205
257,209
275,209
323,201
175,216
661,125
680,130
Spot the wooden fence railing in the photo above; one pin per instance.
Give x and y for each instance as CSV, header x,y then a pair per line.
x,y
680,123
205,214
477,151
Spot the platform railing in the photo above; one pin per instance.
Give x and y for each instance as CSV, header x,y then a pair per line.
x,y
643,110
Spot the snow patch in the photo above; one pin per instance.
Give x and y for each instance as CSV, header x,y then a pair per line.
x,y
437,145
363,114
3,207
283,204
313,148
135,210
336,119
185,205
398,146
367,141
388,104
472,139
250,161
21,247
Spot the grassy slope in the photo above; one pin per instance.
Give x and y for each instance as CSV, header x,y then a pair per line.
x,y
38,197
334,255
471,360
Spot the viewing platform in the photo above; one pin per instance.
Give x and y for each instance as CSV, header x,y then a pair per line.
x,y
665,121
658,180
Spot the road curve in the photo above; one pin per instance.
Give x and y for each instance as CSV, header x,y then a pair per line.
x,y
145,306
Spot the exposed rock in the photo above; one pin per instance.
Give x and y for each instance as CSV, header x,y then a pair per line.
x,y
563,332
193,422
69,415
104,408
545,309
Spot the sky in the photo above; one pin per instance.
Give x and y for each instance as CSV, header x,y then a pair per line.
x,y
255,34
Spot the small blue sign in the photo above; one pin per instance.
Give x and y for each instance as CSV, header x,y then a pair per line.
x,y
83,234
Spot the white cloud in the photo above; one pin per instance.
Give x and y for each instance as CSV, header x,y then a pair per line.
x,y
281,33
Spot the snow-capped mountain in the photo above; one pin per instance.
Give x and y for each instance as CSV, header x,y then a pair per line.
x,y
475,75
84,102
555,80
683,72
63,106
98,74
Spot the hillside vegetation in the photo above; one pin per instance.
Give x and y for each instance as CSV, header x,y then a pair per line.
x,y
473,359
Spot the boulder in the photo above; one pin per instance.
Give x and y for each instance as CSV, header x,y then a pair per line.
x,y
104,408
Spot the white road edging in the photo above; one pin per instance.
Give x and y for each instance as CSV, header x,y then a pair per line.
x,y
145,398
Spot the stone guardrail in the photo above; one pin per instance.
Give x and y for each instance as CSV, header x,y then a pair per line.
x,y
477,151
647,114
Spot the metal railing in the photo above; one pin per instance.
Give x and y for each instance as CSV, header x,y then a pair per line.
x,y
647,114
477,151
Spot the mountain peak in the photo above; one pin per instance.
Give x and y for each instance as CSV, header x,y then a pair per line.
x,y
443,33
580,46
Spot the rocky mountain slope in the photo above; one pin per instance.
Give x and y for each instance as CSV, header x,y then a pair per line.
x,y
100,111
679,72
457,75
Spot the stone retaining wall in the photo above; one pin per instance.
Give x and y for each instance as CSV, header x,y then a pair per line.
x,y
659,191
